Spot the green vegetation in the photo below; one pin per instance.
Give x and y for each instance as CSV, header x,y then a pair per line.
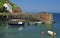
x,y
4,1
14,6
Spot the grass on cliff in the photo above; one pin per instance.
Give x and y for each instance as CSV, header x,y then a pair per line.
x,y
14,6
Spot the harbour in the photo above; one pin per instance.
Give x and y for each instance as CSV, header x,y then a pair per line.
x,y
15,23
28,31
25,32
32,27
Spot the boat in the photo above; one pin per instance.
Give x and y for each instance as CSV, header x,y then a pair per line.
x,y
51,33
15,23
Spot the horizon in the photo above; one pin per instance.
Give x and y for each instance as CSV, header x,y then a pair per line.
x,y
51,6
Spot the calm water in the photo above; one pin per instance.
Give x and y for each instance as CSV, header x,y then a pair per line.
x,y
56,27
31,31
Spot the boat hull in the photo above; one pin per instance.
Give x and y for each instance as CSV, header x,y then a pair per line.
x,y
15,25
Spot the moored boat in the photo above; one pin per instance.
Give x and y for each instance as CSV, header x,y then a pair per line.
x,y
15,23
51,33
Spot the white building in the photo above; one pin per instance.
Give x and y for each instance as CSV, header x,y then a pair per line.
x,y
8,6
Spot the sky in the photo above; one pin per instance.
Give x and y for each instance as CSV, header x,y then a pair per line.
x,y
52,6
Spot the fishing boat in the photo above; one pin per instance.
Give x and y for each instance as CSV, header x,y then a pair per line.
x,y
15,23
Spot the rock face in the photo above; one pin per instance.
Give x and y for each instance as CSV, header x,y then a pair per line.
x,y
46,17
15,8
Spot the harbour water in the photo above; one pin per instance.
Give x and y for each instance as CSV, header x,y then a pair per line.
x,y
56,26
32,31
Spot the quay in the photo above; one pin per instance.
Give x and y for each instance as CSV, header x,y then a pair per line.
x,y
45,17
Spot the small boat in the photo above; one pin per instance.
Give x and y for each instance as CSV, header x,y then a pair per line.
x,y
19,24
51,33
15,23
38,22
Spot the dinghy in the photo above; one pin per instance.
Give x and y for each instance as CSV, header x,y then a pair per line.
x,y
15,23
51,33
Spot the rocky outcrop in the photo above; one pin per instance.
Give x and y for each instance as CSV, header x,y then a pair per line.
x,y
46,17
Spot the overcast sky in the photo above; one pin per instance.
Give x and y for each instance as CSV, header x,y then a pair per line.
x,y
38,5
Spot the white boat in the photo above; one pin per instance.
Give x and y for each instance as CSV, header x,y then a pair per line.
x,y
51,33
20,22
38,22
15,23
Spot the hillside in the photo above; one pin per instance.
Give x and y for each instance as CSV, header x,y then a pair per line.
x,y
14,6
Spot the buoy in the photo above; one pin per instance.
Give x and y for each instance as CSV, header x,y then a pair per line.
x,y
51,33
42,34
